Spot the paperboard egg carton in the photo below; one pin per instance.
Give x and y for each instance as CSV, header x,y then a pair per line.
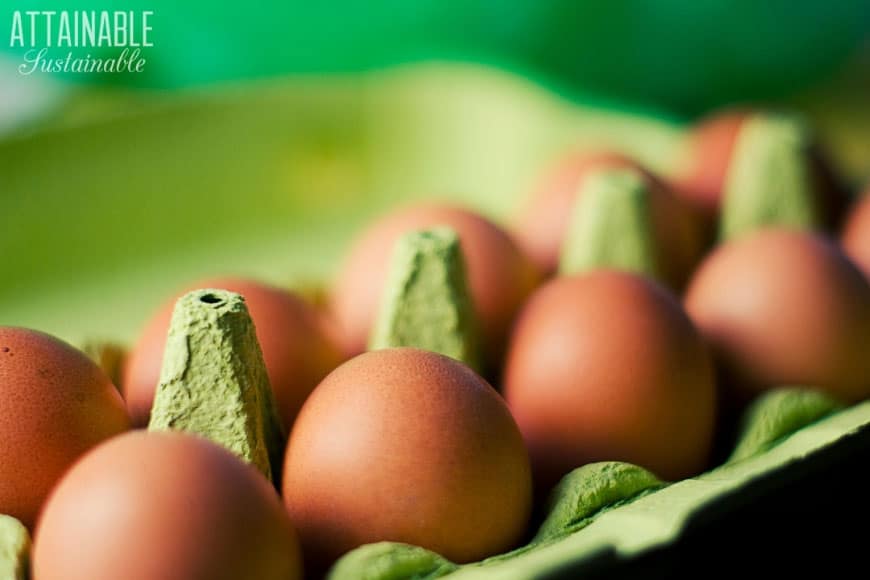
x,y
783,510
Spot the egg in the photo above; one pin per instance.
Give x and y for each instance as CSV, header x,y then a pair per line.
x,y
707,157
298,348
409,446
606,366
856,233
56,404
542,225
164,505
499,275
785,307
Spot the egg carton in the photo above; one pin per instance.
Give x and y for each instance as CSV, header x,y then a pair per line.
x,y
780,505
650,536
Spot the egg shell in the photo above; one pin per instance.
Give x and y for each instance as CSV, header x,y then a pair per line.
x,y
785,307
499,275
856,233
701,177
56,404
606,366
408,446
297,348
164,505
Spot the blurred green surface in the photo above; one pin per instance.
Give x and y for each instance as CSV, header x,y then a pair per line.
x,y
104,215
118,197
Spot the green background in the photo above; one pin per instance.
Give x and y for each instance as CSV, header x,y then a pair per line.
x,y
261,138
684,55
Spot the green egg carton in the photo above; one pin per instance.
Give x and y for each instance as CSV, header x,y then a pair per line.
x,y
797,454
119,198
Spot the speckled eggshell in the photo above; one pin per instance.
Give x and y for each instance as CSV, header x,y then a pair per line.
x,y
297,348
164,505
409,446
606,366
56,404
785,307
500,277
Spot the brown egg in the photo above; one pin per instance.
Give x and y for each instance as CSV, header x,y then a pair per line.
x,y
856,233
164,505
702,175
499,275
542,221
409,446
56,404
297,348
785,307
607,366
